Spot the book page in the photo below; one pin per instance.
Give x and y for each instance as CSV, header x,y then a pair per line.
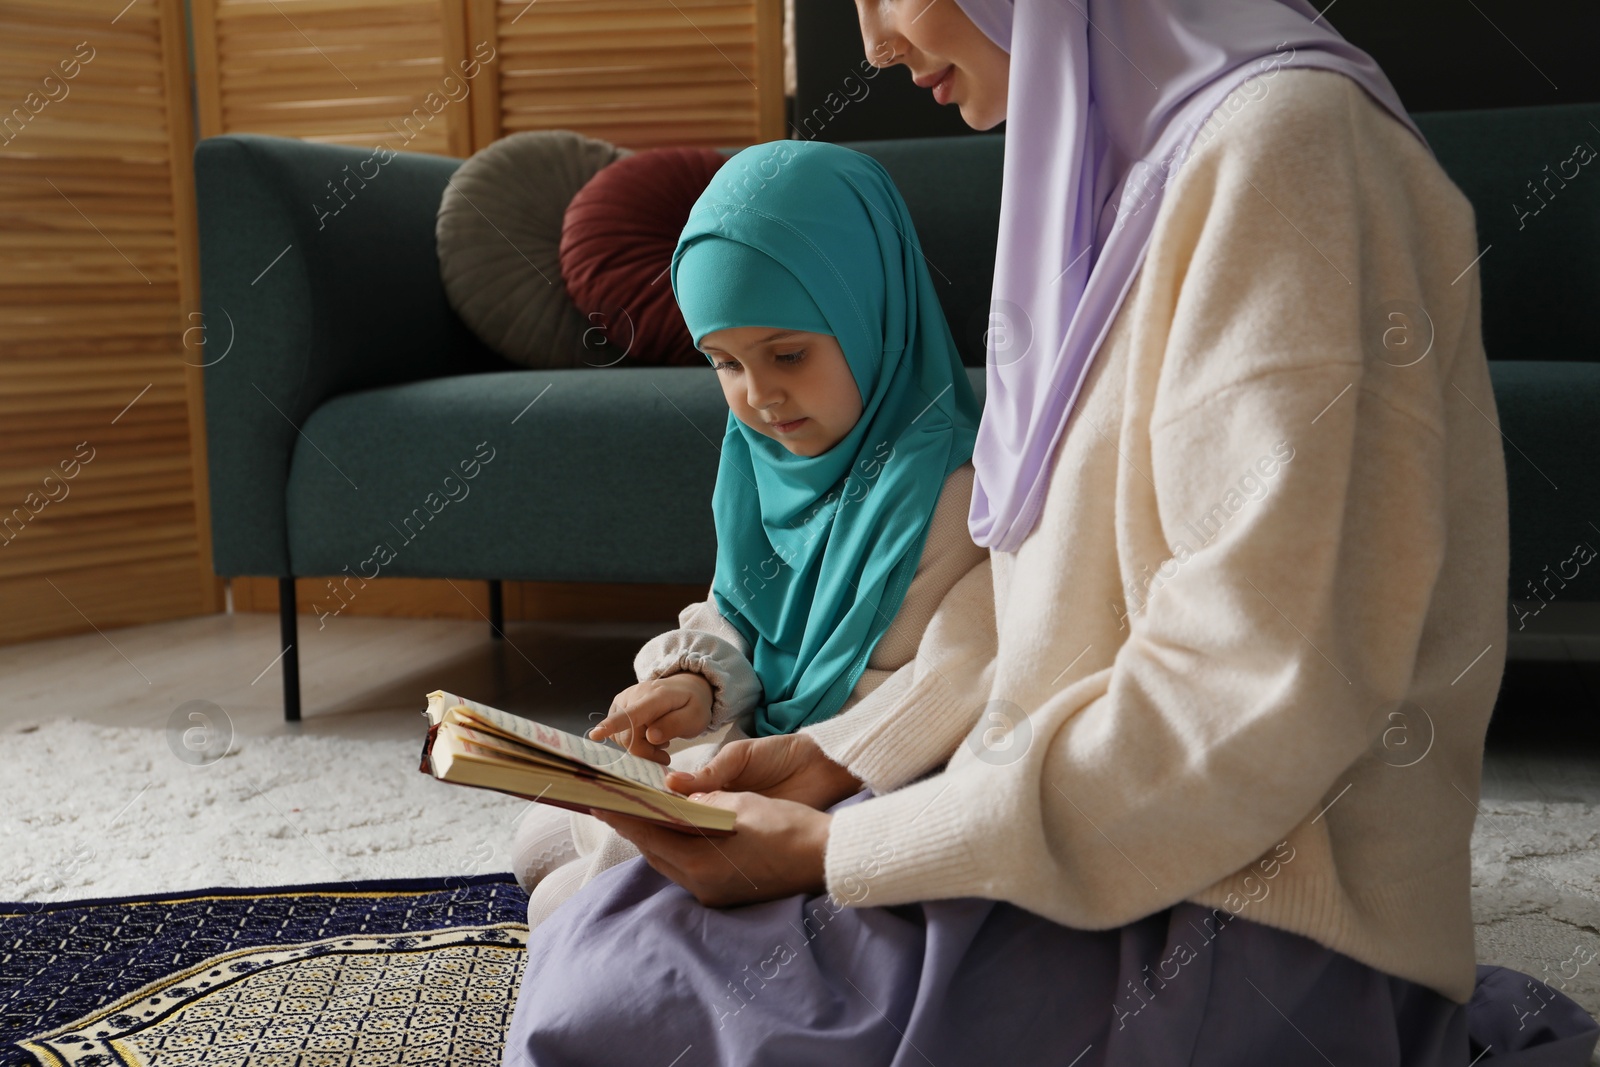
x,y
451,757
469,730
592,754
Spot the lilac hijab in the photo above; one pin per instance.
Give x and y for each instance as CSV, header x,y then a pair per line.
x,y
1105,99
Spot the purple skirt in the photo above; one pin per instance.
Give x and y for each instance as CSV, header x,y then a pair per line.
x,y
633,970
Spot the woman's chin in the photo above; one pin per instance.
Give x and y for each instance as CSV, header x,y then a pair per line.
x,y
981,117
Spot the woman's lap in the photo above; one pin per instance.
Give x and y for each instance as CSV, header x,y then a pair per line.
x,y
633,969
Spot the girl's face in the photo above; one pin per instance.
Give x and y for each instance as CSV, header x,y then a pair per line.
x,y
943,50
795,387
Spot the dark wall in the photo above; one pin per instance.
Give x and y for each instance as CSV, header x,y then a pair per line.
x,y
1441,55
865,104
1449,55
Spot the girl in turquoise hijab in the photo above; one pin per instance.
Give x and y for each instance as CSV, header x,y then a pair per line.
x,y
800,277
821,520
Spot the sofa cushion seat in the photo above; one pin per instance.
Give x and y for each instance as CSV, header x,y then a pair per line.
x,y
599,475
600,479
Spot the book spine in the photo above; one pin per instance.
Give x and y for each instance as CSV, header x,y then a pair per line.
x,y
427,750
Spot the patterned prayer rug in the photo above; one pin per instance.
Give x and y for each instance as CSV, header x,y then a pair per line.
x,y
343,975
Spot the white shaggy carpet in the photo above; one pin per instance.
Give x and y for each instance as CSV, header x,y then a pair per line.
x,y
103,811
98,811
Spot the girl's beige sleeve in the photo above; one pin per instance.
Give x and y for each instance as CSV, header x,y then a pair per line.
x,y
709,645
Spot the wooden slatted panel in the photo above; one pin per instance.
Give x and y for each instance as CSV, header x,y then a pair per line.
x,y
355,72
638,73
102,509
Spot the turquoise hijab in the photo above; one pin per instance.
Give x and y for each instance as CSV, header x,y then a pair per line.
x,y
815,553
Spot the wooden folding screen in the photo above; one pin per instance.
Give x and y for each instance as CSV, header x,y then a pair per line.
x,y
102,502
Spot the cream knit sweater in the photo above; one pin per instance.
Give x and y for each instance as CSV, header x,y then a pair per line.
x,y
1248,654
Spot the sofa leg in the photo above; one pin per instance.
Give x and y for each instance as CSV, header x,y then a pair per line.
x,y
291,655
497,610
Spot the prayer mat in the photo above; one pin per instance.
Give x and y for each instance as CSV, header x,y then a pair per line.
x,y
375,973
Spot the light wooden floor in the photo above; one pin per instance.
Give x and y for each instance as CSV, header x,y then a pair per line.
x,y
368,678
360,677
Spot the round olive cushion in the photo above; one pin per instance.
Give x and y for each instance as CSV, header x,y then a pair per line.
x,y
499,239
616,245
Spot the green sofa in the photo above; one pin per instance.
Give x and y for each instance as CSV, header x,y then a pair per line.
x,y
346,403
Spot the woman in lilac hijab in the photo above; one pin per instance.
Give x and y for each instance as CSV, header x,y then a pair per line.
x,y
1145,797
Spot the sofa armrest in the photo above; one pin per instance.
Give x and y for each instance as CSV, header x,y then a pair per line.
x,y
319,276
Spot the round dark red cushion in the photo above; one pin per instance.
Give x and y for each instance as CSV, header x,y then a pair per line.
x,y
617,241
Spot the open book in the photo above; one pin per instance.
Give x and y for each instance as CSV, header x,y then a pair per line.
x,y
473,744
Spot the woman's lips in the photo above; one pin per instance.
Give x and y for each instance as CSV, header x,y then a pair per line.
x,y
942,88
788,427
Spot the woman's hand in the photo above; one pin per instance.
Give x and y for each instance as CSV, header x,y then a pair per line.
x,y
776,851
784,767
644,717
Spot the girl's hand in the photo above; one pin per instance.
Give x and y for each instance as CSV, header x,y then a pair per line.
x,y
644,717
784,767
777,851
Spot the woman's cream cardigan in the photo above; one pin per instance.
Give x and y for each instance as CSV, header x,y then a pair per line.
x,y
1248,655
